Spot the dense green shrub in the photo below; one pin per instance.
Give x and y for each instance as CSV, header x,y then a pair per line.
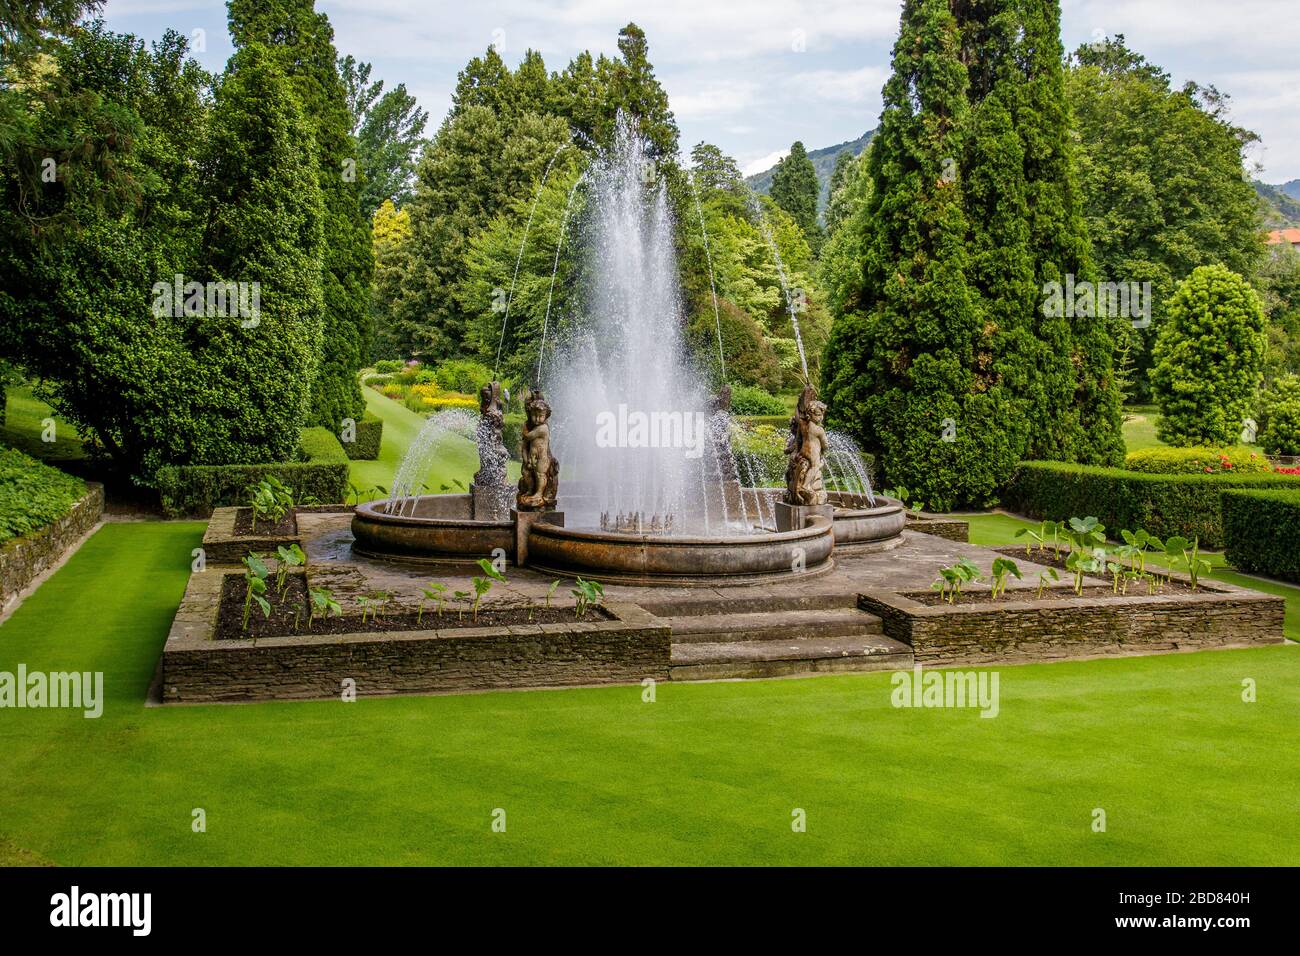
x,y
366,441
385,366
1262,531
747,400
320,474
750,358
32,494
512,434
1209,357
462,375
1197,460
761,454
1162,504
1279,425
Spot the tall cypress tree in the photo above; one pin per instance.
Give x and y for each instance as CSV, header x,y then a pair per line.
x,y
1077,416
302,41
263,225
795,189
906,367
1025,382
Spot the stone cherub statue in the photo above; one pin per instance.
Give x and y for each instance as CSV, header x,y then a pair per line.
x,y
492,453
539,479
806,448
720,433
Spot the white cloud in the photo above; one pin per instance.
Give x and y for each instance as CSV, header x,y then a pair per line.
x,y
841,86
764,162
728,98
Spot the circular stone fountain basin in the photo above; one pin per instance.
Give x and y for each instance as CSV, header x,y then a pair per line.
x,y
656,559
860,529
438,529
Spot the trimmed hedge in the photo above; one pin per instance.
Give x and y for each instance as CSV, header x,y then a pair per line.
x,y
1161,504
32,494
1197,460
369,435
195,490
1262,531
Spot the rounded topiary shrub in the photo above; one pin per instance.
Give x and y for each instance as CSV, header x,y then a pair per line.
x,y
1280,417
747,400
1196,460
1208,357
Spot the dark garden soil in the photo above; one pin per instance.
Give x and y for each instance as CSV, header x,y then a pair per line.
x,y
286,527
289,615
1135,588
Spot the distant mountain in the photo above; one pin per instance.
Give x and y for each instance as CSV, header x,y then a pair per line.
x,y
823,161
1280,205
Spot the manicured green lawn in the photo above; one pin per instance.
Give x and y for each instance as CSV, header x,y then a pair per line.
x,y
1140,427
710,773
457,458
24,425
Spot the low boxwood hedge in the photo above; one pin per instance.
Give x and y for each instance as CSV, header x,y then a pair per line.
x,y
1161,504
1200,460
366,439
32,494
321,474
1262,531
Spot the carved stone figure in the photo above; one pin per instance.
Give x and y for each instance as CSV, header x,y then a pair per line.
x,y
806,448
720,434
539,479
492,453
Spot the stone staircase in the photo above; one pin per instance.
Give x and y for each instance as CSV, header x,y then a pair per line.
x,y
776,637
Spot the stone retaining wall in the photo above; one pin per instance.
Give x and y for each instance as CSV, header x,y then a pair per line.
x,y
1059,628
22,560
953,529
197,668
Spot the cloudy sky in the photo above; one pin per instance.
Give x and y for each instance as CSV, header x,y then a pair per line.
x,y
754,75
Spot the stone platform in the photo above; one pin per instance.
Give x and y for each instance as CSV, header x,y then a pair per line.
x,y
856,617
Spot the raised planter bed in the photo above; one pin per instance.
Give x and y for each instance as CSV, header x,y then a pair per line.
x,y
230,534
953,529
23,560
1062,625
623,645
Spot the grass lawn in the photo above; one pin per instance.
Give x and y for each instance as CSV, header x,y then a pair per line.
x,y
24,419
457,459
710,773
1140,427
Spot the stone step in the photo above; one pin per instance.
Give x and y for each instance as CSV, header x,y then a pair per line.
x,y
773,625
746,659
713,603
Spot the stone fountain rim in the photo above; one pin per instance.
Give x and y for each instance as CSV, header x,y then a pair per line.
x,y
888,506
367,510
816,528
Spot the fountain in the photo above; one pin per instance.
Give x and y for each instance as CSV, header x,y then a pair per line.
x,y
650,492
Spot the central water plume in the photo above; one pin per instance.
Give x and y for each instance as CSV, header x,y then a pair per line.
x,y
632,413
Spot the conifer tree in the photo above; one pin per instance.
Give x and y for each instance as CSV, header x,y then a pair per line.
x,y
905,368
302,41
795,189
263,225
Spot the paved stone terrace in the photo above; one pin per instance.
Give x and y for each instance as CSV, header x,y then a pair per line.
x,y
911,566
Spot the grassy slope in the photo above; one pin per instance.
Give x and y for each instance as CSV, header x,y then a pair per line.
x,y
23,427
1187,773
457,458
